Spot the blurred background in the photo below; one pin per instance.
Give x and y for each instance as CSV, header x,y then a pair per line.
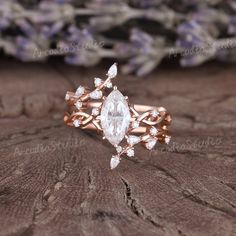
x,y
140,34
49,47
178,54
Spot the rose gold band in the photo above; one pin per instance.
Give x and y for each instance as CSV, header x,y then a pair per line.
x,y
116,118
91,123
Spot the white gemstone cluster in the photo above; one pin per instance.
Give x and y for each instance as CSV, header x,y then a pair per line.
x,y
116,118
97,93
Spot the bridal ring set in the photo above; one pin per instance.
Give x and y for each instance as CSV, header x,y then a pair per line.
x,y
124,125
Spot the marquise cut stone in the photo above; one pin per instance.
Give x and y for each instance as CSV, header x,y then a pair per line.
x,y
115,117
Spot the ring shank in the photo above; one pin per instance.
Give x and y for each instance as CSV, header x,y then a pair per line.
x,y
139,130
137,107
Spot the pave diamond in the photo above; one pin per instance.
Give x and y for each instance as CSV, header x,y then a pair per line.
x,y
112,72
115,160
167,139
119,149
78,104
95,111
135,124
150,143
115,117
67,97
130,152
132,140
153,131
76,123
80,91
96,94
109,84
97,82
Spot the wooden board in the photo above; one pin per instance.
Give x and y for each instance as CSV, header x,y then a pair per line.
x,y
55,180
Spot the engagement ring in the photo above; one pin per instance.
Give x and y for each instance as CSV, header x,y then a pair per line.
x,y
122,124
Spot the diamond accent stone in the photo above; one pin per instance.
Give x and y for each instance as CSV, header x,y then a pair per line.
x,y
155,113
135,124
119,149
132,140
130,152
153,131
95,111
97,82
112,72
150,143
96,94
109,84
80,91
78,104
115,160
115,117
167,139
67,97
76,123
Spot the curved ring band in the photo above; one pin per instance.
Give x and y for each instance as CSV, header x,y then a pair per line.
x,y
116,118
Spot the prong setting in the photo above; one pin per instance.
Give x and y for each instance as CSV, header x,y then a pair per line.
x,y
124,120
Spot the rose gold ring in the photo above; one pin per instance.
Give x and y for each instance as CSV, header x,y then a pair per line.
x,y
115,118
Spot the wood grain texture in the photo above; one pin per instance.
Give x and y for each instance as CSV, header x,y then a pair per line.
x,y
55,180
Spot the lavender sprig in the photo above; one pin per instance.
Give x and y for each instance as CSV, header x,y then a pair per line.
x,y
197,31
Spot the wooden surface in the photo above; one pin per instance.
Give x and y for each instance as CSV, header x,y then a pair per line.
x,y
55,180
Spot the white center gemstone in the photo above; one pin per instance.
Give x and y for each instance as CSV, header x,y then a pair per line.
x,y
115,117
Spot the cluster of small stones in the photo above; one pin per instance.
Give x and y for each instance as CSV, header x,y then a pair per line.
x,y
133,140
115,118
95,94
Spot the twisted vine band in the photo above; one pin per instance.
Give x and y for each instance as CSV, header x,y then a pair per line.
x,y
122,124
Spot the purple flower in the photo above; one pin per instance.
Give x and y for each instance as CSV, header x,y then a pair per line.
x,y
82,47
24,49
62,1
211,20
145,53
197,44
190,2
141,41
43,30
148,3
26,27
232,25
50,12
106,2
49,30
4,23
5,15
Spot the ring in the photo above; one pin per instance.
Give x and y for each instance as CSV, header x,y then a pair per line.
x,y
122,124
